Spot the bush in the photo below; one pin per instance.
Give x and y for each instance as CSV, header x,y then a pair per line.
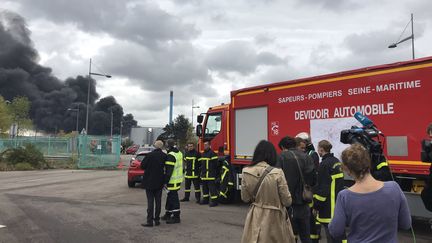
x,y
28,154
64,163
23,166
5,167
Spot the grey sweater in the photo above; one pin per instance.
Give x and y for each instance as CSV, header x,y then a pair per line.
x,y
371,217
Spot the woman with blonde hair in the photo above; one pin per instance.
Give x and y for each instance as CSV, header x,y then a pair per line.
x,y
265,187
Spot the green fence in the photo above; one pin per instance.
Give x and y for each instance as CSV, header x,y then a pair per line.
x,y
49,146
98,151
92,151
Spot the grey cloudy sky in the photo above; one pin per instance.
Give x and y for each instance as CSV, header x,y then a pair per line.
x,y
204,49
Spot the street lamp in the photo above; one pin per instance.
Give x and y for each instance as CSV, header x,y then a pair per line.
x,y
77,118
121,128
394,45
88,92
111,121
193,107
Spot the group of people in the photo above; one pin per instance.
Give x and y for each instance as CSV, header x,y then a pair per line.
x,y
208,172
293,195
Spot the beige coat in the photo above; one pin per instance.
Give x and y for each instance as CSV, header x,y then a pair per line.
x,y
267,219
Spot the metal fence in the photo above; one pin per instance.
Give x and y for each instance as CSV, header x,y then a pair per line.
x,y
92,151
98,151
49,146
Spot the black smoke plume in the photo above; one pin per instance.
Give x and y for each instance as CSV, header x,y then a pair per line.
x,y
21,75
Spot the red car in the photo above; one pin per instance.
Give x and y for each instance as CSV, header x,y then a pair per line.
x,y
132,149
135,173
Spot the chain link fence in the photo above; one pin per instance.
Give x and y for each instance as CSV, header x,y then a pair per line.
x,y
92,151
49,146
98,151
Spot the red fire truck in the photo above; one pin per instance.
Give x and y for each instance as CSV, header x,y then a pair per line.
x,y
395,96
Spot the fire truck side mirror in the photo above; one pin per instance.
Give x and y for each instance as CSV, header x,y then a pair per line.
x,y
199,128
200,118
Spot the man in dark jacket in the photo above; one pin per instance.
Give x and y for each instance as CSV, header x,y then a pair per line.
x,y
192,166
329,183
153,182
305,145
209,172
289,161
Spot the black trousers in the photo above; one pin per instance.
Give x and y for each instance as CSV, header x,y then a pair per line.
x,y
315,228
172,205
300,222
153,196
209,190
196,183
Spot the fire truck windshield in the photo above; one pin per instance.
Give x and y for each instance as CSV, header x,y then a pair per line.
x,y
213,125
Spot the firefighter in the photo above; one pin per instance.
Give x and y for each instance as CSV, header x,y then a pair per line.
x,y
226,181
330,183
309,149
304,144
174,178
209,172
192,172
380,169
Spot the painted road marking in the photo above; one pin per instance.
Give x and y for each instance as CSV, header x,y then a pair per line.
x,y
2,226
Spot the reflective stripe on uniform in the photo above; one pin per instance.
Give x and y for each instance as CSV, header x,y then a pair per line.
x,y
207,168
314,237
170,163
174,187
337,164
230,183
191,177
193,167
223,194
197,190
177,173
207,178
205,195
189,190
323,220
332,198
382,164
333,192
319,198
214,197
225,172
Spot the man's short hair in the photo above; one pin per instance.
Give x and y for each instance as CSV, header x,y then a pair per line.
x,y
429,129
287,143
300,140
325,145
158,144
170,142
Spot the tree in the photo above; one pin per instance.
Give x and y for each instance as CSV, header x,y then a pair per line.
x,y
180,130
19,110
5,116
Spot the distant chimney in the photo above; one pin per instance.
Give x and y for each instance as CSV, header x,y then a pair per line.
x,y
171,106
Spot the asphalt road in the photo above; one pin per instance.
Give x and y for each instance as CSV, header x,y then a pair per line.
x,y
97,206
